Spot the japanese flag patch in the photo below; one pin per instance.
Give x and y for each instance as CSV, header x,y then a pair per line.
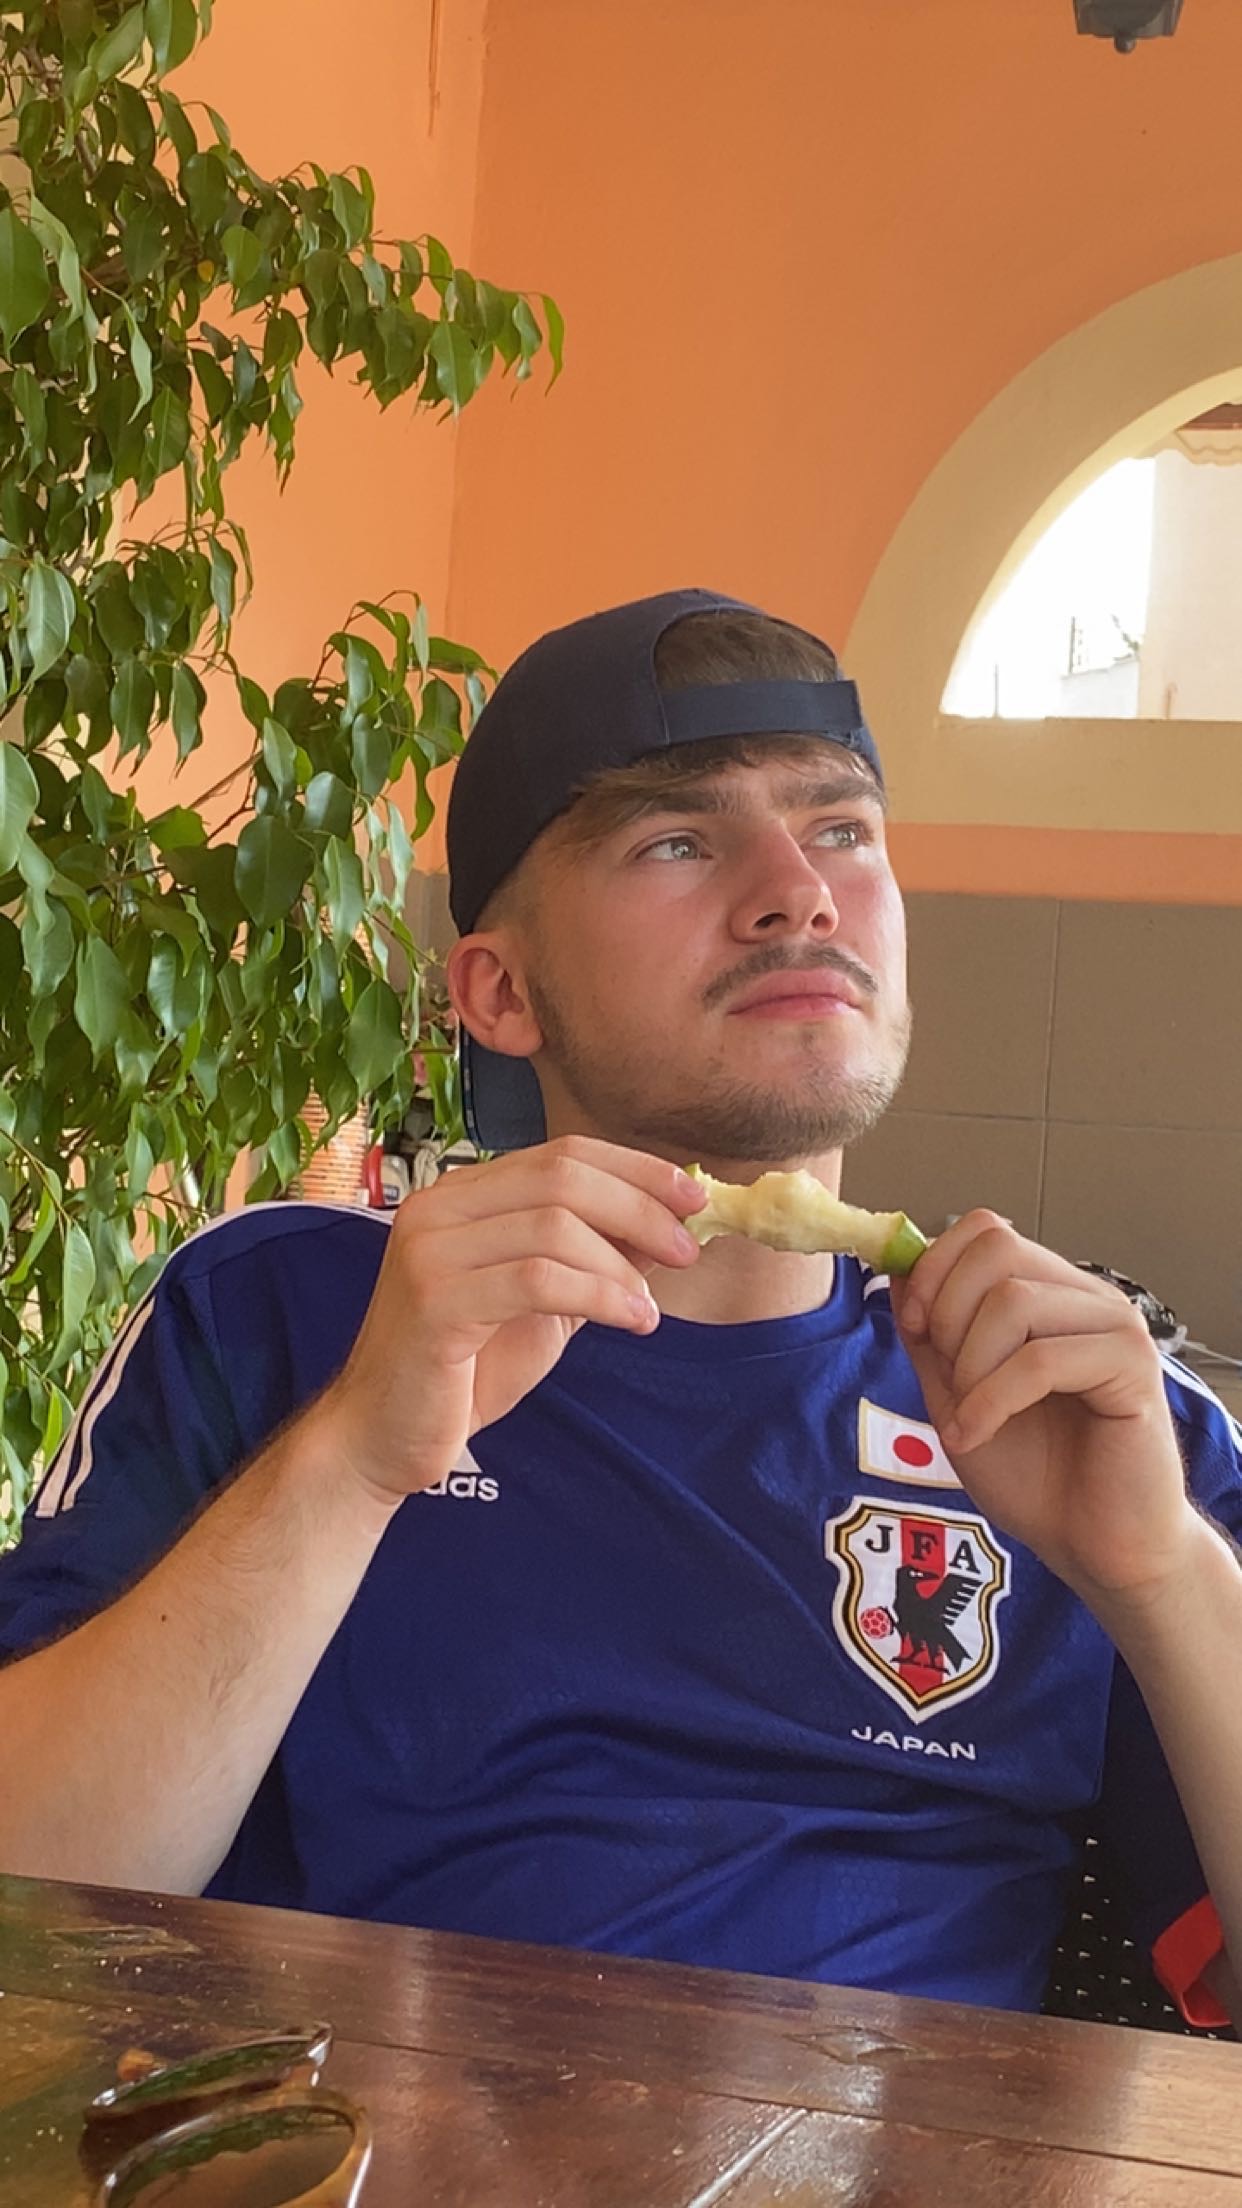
x,y
894,1448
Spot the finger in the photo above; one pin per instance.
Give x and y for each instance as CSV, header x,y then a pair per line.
x,y
479,1302
947,1300
1018,1311
1110,1374
460,1252
643,1210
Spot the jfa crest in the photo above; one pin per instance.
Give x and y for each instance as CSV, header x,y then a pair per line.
x,y
916,1599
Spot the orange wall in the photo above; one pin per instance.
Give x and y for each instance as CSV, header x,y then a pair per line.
x,y
799,245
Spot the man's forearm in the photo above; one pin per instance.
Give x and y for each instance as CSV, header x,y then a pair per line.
x,y
1182,1649
131,1748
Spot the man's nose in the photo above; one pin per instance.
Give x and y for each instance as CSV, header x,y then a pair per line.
x,y
784,894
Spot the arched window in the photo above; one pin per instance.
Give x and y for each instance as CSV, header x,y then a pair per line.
x,y
1127,607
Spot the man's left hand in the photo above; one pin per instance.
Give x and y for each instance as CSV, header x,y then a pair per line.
x,y
1047,1392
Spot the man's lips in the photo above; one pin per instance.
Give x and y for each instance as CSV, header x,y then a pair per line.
x,y
815,994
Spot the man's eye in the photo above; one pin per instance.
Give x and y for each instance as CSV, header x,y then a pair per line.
x,y
674,847
842,835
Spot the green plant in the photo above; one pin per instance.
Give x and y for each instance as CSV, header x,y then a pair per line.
x,y
169,991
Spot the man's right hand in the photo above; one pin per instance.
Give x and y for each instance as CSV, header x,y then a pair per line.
x,y
486,1279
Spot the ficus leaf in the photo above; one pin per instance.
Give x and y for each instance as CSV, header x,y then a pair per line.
x,y
117,48
170,432
48,944
77,1281
373,1042
24,282
19,794
172,28
102,994
272,864
50,608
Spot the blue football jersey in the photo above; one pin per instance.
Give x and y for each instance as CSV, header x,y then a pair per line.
x,y
701,1653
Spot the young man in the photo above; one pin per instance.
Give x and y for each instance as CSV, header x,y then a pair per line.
x,y
522,1569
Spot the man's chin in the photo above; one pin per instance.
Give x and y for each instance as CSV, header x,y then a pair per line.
x,y
769,1124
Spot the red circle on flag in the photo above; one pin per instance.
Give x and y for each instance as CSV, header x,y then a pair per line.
x,y
908,1449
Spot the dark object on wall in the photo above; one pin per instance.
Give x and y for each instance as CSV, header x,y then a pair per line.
x,y
1126,21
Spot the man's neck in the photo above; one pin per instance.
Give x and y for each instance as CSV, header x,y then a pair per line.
x,y
736,1280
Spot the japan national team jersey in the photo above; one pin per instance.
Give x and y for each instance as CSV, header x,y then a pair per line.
x,y
701,1653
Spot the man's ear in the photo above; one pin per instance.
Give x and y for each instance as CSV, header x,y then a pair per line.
x,y
488,991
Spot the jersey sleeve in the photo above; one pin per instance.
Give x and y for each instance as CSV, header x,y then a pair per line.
x,y
154,1436
1170,1911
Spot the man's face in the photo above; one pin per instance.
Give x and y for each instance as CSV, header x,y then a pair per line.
x,y
724,976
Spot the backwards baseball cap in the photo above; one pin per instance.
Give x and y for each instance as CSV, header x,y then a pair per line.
x,y
581,700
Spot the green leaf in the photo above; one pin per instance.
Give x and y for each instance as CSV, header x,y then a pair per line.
x,y
320,276
102,995
57,239
455,359
172,28
280,757
177,994
170,432
342,869
370,751
57,1422
134,122
139,1161
328,805
374,1043
177,125
272,864
19,794
118,47
223,581
144,240
77,1281
400,850
530,336
48,944
50,608
140,355
455,659
24,284
178,829
243,252
36,128
215,386
136,1053
350,208
210,874
133,703
188,700
45,1220
32,406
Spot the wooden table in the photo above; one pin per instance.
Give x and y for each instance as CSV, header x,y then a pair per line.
x,y
511,2077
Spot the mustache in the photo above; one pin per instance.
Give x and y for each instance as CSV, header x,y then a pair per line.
x,y
778,958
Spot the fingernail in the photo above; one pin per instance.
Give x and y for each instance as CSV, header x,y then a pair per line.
x,y
913,1316
688,1187
646,1309
684,1243
951,1435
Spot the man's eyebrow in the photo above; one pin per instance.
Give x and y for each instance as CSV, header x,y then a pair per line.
x,y
728,796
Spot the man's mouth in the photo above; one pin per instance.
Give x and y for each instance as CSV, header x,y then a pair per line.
x,y
793,994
